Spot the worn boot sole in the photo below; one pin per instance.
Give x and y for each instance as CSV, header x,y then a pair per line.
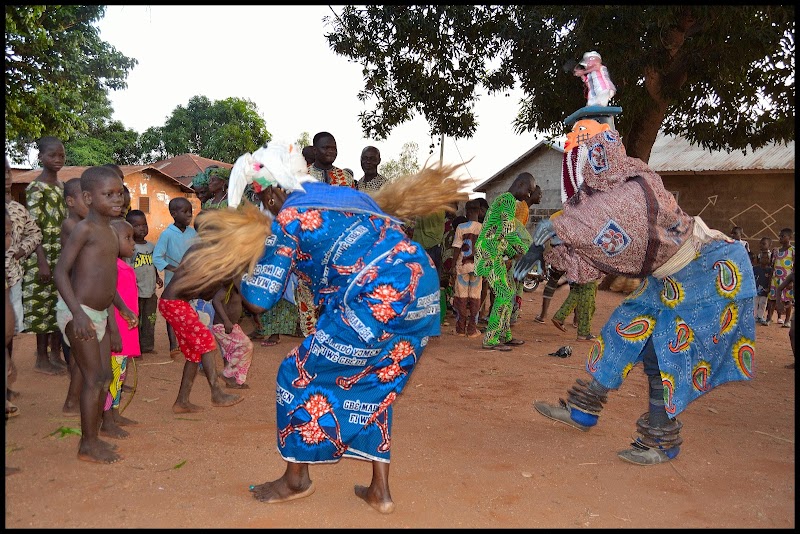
x,y
558,413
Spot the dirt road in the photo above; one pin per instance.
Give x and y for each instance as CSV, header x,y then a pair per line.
x,y
468,450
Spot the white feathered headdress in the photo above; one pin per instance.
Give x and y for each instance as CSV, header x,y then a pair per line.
x,y
277,163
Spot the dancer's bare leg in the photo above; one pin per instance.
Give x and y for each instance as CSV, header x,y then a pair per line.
x,y
218,395
182,404
377,494
294,484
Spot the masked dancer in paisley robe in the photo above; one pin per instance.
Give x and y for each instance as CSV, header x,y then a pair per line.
x,y
690,322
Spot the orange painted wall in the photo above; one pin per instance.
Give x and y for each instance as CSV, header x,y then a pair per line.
x,y
159,191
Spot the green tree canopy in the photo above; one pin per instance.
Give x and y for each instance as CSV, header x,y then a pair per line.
x,y
57,70
721,76
404,165
221,130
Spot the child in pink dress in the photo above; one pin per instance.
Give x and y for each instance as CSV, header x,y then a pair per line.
x,y
127,344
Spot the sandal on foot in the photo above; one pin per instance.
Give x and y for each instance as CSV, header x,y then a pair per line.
x,y
269,343
638,456
174,353
538,319
514,342
501,347
588,337
12,410
558,413
559,325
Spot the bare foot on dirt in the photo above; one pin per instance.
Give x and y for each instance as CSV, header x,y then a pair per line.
x,y
121,420
108,445
231,383
47,368
223,400
57,361
279,491
186,408
384,505
110,429
71,408
96,452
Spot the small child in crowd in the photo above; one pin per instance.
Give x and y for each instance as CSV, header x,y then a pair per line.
x,y
763,274
466,284
147,279
235,345
127,345
169,250
86,278
764,249
782,265
737,233
196,342
76,212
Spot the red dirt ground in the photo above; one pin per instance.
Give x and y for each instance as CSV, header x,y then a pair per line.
x,y
468,450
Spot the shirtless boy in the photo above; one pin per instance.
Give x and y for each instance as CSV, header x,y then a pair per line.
x,y
76,212
86,279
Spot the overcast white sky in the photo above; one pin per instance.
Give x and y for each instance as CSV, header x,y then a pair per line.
x,y
278,57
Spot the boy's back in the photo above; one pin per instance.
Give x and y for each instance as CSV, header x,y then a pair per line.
x,y
466,235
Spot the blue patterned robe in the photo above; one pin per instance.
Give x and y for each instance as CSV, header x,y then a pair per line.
x,y
379,299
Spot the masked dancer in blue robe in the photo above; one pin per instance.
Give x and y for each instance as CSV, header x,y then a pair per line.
x,y
378,295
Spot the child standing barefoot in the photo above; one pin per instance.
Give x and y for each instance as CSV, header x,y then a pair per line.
x,y
76,212
195,340
147,279
127,344
169,250
86,278
45,199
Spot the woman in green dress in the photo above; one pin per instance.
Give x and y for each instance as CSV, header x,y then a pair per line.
x,y
45,199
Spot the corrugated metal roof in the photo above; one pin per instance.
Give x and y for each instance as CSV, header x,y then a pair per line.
x,y
558,144
186,166
674,154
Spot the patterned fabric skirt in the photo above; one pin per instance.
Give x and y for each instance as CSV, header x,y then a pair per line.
x,y
39,298
335,391
701,321
283,318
